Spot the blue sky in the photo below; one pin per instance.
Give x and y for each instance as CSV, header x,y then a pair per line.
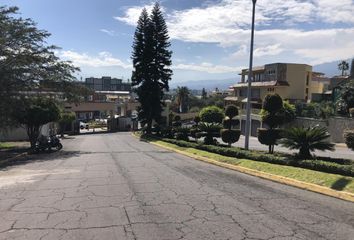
x,y
210,39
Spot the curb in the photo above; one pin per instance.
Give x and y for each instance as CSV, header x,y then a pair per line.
x,y
275,178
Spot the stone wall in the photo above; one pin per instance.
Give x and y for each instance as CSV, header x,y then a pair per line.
x,y
335,125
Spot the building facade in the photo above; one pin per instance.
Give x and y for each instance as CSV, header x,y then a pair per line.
x,y
107,84
293,82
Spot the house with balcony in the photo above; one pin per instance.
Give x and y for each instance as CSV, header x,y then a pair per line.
x,y
293,82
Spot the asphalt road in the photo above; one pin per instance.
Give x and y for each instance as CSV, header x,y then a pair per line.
x,y
112,186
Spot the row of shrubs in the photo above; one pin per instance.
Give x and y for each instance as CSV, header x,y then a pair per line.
x,y
336,166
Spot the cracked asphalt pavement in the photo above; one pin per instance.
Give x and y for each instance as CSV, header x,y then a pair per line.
x,y
113,186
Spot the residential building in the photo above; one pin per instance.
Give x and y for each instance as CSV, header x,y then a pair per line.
x,y
107,84
293,82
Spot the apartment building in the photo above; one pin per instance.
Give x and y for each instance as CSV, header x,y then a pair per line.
x,y
107,84
293,82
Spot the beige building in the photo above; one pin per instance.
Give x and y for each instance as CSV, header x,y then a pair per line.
x,y
293,82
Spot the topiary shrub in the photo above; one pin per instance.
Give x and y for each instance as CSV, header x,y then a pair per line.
x,y
196,120
209,131
274,115
349,138
177,121
182,133
211,114
269,137
229,135
193,132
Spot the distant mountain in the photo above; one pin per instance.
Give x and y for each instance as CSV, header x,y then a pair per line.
x,y
221,84
329,69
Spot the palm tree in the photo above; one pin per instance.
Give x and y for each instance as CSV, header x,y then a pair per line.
x,y
307,140
182,98
343,66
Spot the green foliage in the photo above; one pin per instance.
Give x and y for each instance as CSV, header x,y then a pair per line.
x,y
268,137
275,113
209,131
26,61
182,99
231,111
349,138
346,98
307,140
322,110
214,100
151,62
194,109
182,133
272,103
194,132
66,118
230,136
211,114
230,123
343,66
328,165
196,120
34,113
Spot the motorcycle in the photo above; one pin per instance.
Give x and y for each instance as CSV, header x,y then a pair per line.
x,y
47,143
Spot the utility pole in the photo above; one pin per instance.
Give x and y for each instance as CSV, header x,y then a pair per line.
x,y
250,76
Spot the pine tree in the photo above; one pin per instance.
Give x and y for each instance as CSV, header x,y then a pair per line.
x,y
151,59
352,69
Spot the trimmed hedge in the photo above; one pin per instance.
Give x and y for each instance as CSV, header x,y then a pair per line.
x,y
336,166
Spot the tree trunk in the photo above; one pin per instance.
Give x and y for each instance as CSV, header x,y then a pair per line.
x,y
149,125
305,153
270,148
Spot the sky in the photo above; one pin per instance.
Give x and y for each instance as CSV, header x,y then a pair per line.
x,y
209,38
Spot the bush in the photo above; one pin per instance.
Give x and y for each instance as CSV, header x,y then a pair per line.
x,y
209,131
211,114
307,140
231,111
230,136
335,166
349,138
268,137
193,132
182,133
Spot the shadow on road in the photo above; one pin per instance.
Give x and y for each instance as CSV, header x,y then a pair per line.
x,y
47,156
340,184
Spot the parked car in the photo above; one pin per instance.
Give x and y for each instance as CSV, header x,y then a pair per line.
x,y
84,126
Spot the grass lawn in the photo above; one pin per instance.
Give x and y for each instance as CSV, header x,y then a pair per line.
x,y
333,181
6,145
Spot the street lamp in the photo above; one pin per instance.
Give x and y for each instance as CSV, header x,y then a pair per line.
x,y
250,76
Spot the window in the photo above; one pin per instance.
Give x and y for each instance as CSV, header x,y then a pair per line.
x,y
307,79
243,92
307,90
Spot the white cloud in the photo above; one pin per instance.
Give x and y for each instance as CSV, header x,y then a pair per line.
x,y
103,59
279,30
207,67
109,32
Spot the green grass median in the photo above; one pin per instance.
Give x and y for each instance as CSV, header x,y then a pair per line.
x,y
332,181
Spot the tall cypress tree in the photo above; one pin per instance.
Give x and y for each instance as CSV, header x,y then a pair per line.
x,y
151,59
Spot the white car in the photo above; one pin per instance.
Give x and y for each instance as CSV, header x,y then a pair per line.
x,y
84,126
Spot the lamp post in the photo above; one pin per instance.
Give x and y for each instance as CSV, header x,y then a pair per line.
x,y
250,76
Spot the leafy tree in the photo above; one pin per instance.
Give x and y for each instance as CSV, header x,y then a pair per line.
x,y
211,114
346,99
307,140
34,113
26,61
151,61
343,66
182,98
66,118
204,94
228,134
352,69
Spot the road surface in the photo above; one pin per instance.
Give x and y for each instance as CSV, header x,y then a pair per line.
x,y
113,186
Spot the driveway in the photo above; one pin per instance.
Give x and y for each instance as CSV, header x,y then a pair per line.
x,y
113,186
